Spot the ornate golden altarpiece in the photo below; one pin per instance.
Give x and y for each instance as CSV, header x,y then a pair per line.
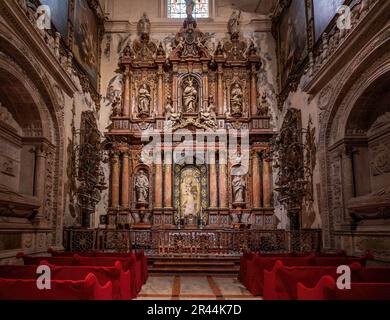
x,y
202,93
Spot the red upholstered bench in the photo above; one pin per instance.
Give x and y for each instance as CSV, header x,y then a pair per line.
x,y
281,282
121,280
254,279
248,256
144,265
372,274
26,289
128,264
140,255
338,261
256,267
326,289
58,261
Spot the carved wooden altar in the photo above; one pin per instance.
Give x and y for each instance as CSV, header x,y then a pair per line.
x,y
204,93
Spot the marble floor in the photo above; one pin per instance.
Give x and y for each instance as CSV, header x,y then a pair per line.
x,y
193,287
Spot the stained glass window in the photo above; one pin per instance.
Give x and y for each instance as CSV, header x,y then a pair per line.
x,y
177,9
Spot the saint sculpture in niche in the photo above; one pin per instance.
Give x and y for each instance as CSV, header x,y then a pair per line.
x,y
171,117
208,115
142,187
144,100
236,99
190,96
238,184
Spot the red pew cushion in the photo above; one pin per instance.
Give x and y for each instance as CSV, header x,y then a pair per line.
x,y
26,289
281,282
256,267
326,289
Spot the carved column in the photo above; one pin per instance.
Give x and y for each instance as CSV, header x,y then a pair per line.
x,y
205,85
125,180
256,183
115,181
160,92
40,172
158,186
266,183
222,190
220,90
39,179
213,186
253,91
347,174
127,93
168,185
174,88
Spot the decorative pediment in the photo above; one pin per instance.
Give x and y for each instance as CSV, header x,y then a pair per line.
x,y
143,51
190,42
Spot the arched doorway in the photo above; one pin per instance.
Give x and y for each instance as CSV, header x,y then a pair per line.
x,y
31,155
357,104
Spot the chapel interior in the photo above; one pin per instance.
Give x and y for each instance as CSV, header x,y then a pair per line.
x,y
195,133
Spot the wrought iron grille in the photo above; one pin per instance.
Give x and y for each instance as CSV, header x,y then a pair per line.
x,y
195,242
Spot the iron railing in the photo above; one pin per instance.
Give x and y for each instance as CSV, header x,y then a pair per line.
x,y
179,242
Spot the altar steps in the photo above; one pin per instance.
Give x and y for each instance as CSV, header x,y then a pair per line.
x,y
196,265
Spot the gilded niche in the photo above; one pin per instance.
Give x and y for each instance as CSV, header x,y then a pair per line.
x,y
190,192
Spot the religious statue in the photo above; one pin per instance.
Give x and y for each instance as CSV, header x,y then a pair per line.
x,y
190,96
238,184
190,5
219,50
116,106
160,51
263,107
234,23
142,187
252,51
208,115
190,205
170,115
144,99
144,26
236,99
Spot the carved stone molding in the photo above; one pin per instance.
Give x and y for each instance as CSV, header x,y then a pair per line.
x,y
338,44
45,46
336,102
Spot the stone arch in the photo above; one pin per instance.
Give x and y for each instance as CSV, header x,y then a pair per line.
x,y
336,102
48,110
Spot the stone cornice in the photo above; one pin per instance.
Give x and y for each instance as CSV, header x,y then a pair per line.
x,y
326,63
37,45
173,26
